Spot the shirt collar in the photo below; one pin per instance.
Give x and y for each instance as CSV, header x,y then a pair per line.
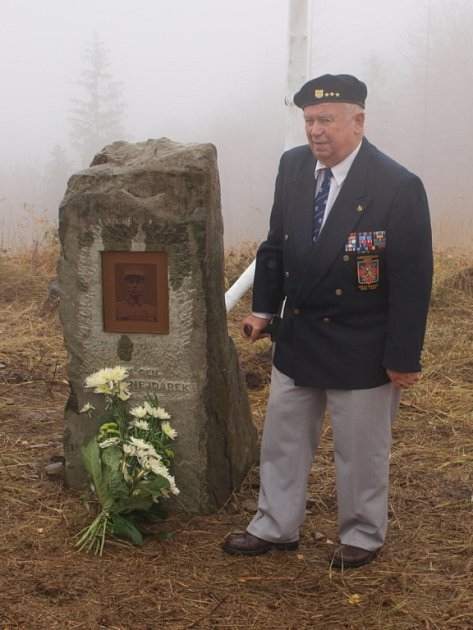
x,y
340,170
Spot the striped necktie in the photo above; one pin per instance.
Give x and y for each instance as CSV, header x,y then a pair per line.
x,y
320,202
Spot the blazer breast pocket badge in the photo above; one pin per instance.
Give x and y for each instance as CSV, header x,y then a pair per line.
x,y
368,272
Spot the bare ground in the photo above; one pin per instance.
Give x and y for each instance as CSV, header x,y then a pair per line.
x,y
422,579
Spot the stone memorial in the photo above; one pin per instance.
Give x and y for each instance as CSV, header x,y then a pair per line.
x,y
141,277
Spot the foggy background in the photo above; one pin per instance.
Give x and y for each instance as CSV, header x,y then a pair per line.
x,y
215,71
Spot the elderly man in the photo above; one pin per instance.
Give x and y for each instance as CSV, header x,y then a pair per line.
x,y
349,252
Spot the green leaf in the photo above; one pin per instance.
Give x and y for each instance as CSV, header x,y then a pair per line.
x,y
155,514
142,497
91,458
112,475
135,503
154,486
158,508
123,528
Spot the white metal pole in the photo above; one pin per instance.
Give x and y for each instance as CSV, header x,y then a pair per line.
x,y
297,68
240,287
296,75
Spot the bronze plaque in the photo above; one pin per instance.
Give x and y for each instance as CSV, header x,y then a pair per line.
x,y
135,292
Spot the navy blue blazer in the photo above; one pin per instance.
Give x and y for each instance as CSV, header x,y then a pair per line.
x,y
356,301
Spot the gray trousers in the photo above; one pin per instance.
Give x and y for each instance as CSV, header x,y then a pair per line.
x,y
361,423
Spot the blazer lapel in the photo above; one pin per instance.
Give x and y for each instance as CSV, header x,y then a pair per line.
x,y
302,212
348,209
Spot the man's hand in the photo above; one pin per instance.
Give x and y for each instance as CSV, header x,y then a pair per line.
x,y
403,380
252,326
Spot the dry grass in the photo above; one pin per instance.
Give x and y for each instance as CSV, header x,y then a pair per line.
x,y
422,579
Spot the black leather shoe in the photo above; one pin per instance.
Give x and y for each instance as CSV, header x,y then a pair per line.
x,y
249,545
348,557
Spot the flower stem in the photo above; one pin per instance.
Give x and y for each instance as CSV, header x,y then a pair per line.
x,y
92,537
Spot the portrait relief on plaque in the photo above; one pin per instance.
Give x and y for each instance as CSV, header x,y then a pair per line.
x,y
135,292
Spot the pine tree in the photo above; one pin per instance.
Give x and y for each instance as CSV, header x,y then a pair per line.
x,y
96,120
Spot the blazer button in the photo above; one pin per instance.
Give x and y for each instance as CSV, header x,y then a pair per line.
x,y
286,274
296,311
326,320
286,237
346,258
338,291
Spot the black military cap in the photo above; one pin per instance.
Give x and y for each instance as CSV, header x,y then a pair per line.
x,y
133,271
332,88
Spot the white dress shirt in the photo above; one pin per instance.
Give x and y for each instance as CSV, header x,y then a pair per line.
x,y
339,172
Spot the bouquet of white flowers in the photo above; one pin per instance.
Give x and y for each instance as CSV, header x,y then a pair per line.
x,y
128,461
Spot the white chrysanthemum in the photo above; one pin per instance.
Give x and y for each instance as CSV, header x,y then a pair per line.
x,y
156,412
95,380
141,424
123,393
109,442
162,414
101,377
138,412
98,384
160,469
87,407
168,430
117,374
155,465
129,449
142,445
143,451
166,493
109,381
148,408
174,489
